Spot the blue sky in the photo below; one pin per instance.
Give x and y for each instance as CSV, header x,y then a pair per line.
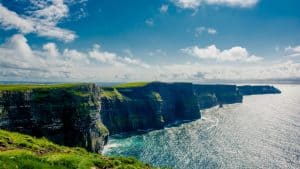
x,y
168,40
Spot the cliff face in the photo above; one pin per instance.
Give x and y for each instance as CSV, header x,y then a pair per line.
x,y
150,107
155,105
212,95
251,90
158,104
68,116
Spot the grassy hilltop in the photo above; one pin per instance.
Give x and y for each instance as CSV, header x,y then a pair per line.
x,y
23,151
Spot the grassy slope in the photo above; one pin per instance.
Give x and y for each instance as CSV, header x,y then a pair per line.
x,y
23,151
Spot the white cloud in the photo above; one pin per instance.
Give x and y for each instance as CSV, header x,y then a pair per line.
x,y
164,8
201,29
237,3
293,51
211,31
11,20
194,4
215,72
236,53
102,56
51,49
19,61
149,22
42,20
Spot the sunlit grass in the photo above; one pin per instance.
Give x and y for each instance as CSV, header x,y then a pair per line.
x,y
22,87
23,151
130,85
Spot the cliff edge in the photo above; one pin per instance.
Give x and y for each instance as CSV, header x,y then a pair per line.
x,y
67,114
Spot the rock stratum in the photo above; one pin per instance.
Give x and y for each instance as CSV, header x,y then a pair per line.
x,y
84,114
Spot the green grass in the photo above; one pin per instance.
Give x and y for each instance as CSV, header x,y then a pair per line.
x,y
112,93
24,87
26,152
131,85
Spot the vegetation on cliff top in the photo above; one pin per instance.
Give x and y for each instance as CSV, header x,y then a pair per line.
x,y
23,87
112,93
131,85
23,151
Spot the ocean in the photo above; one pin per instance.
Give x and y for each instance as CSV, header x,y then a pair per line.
x,y
261,132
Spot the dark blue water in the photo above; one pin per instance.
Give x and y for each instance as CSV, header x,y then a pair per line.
x,y
262,132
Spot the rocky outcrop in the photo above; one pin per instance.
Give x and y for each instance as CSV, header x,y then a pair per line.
x,y
66,115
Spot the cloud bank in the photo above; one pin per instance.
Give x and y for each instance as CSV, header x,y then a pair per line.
x,y
18,61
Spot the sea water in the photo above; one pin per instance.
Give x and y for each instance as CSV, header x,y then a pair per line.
x,y
261,132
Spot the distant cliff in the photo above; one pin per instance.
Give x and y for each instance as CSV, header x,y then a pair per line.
x,y
252,90
212,95
151,106
142,106
67,114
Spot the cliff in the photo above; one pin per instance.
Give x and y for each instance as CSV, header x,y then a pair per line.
x,y
212,95
252,90
82,114
23,151
154,105
151,106
67,114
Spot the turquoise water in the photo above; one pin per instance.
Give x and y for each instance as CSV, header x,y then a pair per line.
x,y
262,132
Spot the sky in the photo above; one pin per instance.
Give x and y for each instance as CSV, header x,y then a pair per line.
x,y
149,40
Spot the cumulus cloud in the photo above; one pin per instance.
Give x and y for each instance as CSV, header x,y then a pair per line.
x,y
164,8
293,51
102,56
42,19
51,49
201,29
19,61
194,4
236,53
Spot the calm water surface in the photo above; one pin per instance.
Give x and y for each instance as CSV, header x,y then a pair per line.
x,y
262,132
